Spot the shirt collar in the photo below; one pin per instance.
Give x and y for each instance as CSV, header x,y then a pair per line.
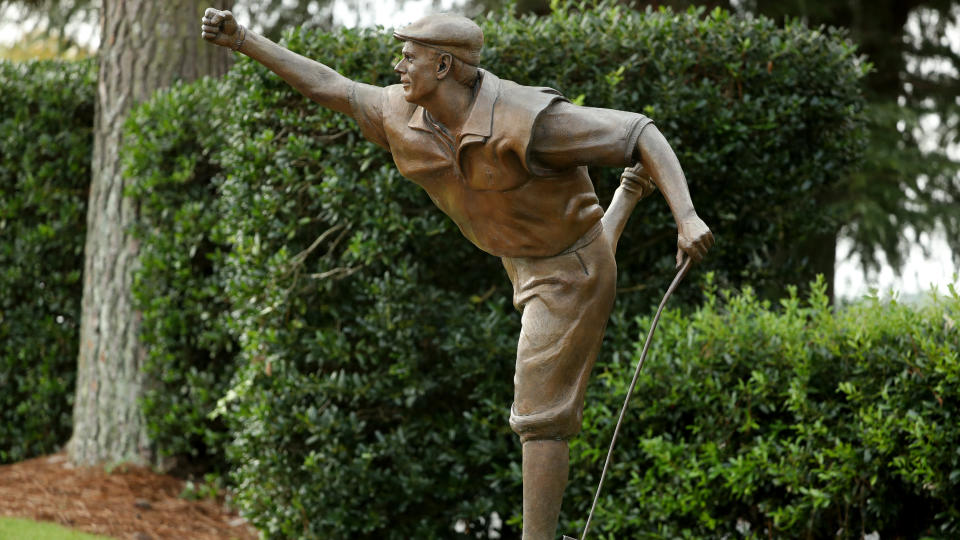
x,y
479,123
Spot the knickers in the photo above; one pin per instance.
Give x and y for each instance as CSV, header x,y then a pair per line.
x,y
565,301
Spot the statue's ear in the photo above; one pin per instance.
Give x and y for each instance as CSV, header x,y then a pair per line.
x,y
444,65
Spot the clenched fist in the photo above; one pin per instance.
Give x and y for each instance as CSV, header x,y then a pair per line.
x,y
221,28
693,240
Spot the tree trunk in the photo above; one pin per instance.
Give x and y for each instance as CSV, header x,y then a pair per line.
x,y
144,46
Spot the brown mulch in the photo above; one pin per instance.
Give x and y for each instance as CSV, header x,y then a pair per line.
x,y
128,502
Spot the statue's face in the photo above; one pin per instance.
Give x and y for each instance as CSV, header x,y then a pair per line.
x,y
418,71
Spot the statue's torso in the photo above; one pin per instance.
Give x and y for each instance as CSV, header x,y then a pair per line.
x,y
483,181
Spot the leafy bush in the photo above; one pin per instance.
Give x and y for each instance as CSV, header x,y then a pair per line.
x,y
46,119
171,152
374,345
790,422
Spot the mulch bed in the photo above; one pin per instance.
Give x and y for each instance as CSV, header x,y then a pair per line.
x,y
128,502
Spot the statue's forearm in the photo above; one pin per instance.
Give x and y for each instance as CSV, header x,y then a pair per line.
x,y
664,167
311,78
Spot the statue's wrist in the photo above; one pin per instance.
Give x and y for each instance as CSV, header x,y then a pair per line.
x,y
242,31
688,217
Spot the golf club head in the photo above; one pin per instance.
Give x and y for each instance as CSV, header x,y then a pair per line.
x,y
565,537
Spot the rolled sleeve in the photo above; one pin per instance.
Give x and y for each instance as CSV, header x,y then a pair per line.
x,y
366,106
567,135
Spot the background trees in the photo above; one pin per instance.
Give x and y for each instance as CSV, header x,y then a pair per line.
x,y
909,182
144,46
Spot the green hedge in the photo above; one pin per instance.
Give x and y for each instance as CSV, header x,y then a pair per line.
x,y
370,346
46,119
790,421
191,356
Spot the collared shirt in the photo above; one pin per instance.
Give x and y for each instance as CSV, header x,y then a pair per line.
x,y
515,180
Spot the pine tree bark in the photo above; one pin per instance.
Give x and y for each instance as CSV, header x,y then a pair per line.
x,y
144,45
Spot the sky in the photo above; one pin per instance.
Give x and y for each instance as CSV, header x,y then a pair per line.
x,y
929,262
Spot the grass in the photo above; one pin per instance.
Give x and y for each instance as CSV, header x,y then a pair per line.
x,y
34,530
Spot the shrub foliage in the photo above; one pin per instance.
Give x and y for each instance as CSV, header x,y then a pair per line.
x,y
190,354
46,120
793,422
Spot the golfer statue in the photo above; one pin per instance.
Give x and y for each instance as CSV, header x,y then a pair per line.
x,y
508,164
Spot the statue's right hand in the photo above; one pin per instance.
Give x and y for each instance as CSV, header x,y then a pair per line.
x,y
220,27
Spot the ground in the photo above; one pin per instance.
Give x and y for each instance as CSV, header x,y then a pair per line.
x,y
126,502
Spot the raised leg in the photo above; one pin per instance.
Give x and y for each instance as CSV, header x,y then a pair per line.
x,y
545,467
635,184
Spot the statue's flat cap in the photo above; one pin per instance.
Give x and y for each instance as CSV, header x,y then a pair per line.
x,y
454,34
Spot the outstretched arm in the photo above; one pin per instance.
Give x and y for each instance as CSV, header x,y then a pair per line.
x,y
312,79
694,237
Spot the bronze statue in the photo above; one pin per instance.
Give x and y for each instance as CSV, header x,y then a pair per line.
x,y
508,164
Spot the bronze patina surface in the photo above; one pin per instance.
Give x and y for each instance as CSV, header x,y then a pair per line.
x,y
508,164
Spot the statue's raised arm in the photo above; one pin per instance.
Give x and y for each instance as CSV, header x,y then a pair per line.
x,y
311,78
